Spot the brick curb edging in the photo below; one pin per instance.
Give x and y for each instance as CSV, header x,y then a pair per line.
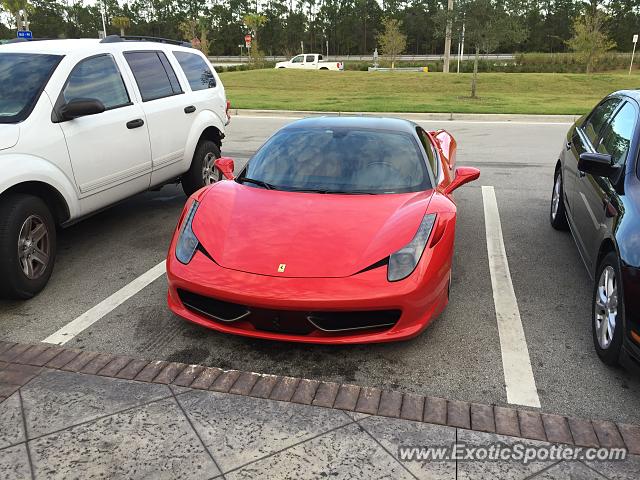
x,y
19,363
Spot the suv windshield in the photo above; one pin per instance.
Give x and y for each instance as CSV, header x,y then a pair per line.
x,y
22,79
339,160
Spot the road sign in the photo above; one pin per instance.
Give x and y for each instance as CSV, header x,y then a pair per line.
x,y
247,40
25,34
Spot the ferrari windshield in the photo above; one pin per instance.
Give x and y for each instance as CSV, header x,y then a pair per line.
x,y
339,160
22,78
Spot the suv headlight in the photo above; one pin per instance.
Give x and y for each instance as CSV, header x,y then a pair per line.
x,y
403,262
187,240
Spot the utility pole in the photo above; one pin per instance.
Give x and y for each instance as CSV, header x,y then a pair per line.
x,y
447,39
633,54
461,46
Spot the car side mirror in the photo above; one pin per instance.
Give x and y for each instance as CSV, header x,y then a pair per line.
x,y
226,167
81,107
599,164
463,175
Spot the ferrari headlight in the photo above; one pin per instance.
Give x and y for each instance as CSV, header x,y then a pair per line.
x,y
404,261
187,240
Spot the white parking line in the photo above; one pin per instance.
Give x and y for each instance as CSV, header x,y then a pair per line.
x,y
94,314
518,374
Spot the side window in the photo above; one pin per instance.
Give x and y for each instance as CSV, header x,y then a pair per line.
x,y
320,57
426,143
598,118
616,138
310,59
297,59
198,73
99,78
153,74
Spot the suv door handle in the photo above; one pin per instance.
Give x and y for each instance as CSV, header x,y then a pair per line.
x,y
189,109
138,122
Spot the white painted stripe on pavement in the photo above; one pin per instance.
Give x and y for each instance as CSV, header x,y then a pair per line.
x,y
518,374
94,314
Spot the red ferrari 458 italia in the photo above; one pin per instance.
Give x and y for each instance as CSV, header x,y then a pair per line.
x,y
338,230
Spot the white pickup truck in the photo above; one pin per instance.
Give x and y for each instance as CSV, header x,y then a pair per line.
x,y
310,61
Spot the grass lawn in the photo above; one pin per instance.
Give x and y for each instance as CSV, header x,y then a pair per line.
x,y
533,93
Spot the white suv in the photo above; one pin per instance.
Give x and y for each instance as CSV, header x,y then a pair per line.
x,y
86,123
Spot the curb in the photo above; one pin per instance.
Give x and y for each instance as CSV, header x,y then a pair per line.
x,y
468,117
19,363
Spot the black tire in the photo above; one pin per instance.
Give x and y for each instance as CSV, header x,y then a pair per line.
x,y
608,353
197,177
15,210
557,213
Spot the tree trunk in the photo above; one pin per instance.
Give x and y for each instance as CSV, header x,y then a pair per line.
x,y
122,31
447,41
474,80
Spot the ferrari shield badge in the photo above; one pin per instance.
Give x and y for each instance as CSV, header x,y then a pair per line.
x,y
281,267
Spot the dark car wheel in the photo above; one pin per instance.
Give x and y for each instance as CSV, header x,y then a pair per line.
x,y
202,171
557,213
608,310
27,246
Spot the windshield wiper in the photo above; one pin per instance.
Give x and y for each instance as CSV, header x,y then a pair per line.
x,y
338,192
260,183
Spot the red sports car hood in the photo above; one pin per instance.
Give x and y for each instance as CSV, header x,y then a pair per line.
x,y
314,235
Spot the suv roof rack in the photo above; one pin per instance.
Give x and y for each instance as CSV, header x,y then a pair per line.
x,y
141,38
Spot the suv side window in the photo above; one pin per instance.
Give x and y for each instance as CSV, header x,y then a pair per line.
x,y
154,75
197,71
616,137
598,118
426,143
97,77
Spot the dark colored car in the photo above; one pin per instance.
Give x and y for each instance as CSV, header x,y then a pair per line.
x,y
596,194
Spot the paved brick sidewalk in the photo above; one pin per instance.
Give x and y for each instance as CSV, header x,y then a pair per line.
x,y
75,414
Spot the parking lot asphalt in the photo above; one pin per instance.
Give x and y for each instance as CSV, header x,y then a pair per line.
x,y
459,356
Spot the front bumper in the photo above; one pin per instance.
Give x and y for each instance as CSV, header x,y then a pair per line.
x,y
419,298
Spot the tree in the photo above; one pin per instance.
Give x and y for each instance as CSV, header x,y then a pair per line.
x,y
196,31
121,23
487,26
589,40
392,42
254,21
14,7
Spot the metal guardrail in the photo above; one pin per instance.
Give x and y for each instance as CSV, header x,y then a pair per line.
x,y
363,58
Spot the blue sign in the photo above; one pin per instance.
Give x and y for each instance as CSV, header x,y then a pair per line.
x,y
28,34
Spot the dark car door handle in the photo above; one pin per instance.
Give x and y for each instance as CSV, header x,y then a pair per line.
x,y
138,122
189,109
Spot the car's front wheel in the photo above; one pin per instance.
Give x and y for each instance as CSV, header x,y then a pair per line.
x,y
557,213
608,310
202,171
27,246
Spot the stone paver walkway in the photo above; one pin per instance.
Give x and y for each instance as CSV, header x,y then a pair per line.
x,y
58,423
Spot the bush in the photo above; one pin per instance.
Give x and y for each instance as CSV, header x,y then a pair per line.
x,y
244,67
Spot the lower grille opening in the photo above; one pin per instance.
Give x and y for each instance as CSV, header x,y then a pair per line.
x,y
288,321
210,307
345,321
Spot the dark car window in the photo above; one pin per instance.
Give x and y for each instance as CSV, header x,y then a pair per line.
x,y
198,73
428,147
341,160
99,78
616,138
598,118
298,59
153,74
22,79
310,58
